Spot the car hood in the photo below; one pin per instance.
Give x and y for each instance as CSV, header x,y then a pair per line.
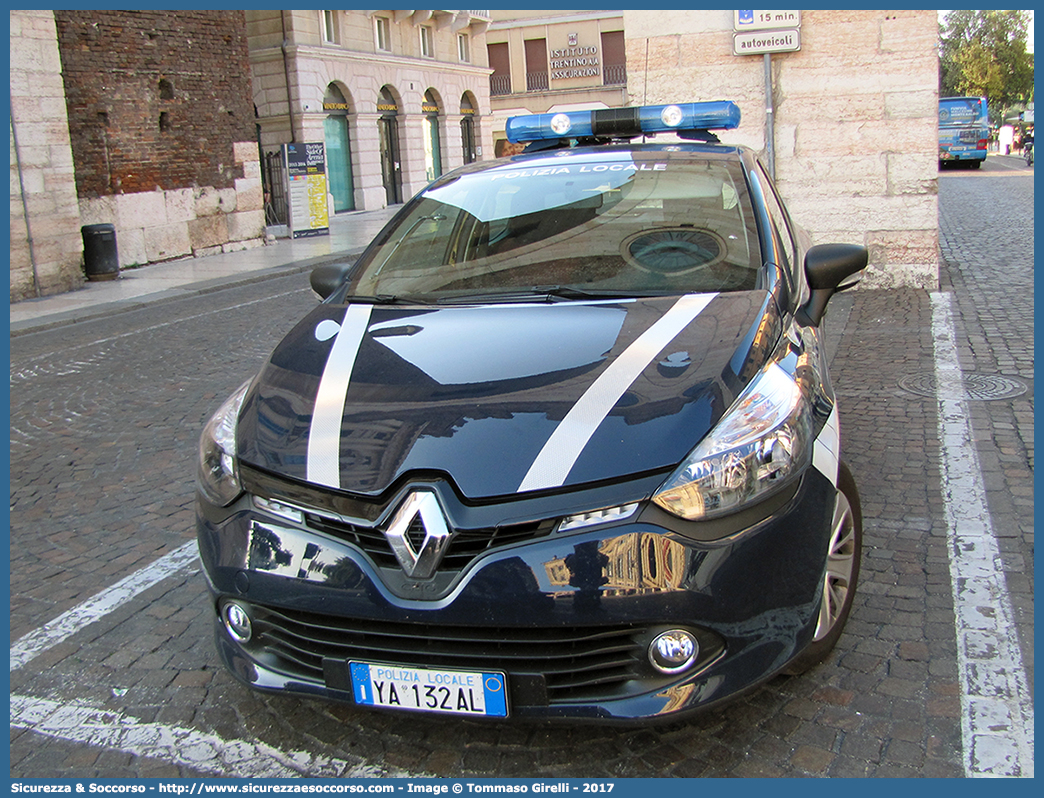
x,y
505,398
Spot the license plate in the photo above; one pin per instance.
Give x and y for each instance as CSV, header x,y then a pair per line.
x,y
453,692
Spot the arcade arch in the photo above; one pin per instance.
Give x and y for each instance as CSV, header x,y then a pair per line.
x,y
337,134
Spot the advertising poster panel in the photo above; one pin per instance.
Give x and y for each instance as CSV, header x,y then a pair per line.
x,y
306,175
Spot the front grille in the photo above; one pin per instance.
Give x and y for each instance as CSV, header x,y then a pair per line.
x,y
466,545
576,663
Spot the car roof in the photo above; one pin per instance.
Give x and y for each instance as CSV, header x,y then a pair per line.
x,y
675,151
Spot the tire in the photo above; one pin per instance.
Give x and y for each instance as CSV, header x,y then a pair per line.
x,y
841,576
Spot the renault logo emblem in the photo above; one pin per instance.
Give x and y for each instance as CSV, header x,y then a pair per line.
x,y
419,563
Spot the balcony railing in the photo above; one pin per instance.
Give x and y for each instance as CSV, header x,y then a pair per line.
x,y
458,20
537,81
614,75
499,84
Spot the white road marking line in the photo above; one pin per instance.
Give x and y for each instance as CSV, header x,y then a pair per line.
x,y
99,605
996,708
187,747
79,723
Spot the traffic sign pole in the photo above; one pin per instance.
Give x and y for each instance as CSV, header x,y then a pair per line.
x,y
770,119
764,33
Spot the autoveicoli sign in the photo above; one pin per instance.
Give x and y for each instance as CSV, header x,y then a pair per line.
x,y
764,33
758,32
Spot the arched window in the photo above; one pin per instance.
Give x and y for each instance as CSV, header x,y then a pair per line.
x,y
388,126
467,127
338,150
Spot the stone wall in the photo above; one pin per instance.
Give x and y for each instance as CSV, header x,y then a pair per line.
x,y
856,151
161,225
42,178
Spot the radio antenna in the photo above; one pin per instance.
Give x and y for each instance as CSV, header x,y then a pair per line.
x,y
645,88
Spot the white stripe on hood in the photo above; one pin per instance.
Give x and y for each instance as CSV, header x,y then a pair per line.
x,y
563,448
324,436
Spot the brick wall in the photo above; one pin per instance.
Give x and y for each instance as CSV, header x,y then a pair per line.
x,y
156,99
161,119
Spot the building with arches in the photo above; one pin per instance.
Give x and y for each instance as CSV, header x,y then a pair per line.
x,y
398,97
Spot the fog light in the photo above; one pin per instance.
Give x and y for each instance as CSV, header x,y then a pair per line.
x,y
673,651
237,622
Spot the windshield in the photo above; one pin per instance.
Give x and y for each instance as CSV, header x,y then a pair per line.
x,y
614,222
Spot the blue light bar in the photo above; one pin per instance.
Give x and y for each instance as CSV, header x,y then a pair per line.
x,y
625,122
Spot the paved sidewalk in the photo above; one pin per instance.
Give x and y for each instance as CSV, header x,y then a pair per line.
x,y
136,287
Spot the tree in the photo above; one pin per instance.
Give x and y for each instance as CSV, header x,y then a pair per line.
x,y
983,54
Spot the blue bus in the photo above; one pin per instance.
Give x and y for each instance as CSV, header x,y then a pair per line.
x,y
964,130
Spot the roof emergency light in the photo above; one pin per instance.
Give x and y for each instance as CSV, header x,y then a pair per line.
x,y
625,122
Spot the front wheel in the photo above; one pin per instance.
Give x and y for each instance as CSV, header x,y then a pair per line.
x,y
840,577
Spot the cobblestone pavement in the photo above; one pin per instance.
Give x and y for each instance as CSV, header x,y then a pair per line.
x,y
986,235
105,416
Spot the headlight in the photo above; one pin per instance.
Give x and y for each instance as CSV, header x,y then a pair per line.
x,y
217,474
758,446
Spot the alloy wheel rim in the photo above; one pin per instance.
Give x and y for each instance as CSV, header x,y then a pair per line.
x,y
840,563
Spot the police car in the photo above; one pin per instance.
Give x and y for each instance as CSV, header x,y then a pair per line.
x,y
561,444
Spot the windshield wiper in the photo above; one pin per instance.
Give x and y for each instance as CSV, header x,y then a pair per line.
x,y
538,293
571,292
546,293
387,299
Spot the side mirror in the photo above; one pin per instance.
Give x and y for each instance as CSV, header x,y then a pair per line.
x,y
828,268
328,278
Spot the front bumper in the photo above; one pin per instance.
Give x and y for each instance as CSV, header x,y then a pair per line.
x,y
568,617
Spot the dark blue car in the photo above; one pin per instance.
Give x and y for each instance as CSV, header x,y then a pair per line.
x,y
560,445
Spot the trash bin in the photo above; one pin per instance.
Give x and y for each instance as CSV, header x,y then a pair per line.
x,y
100,261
